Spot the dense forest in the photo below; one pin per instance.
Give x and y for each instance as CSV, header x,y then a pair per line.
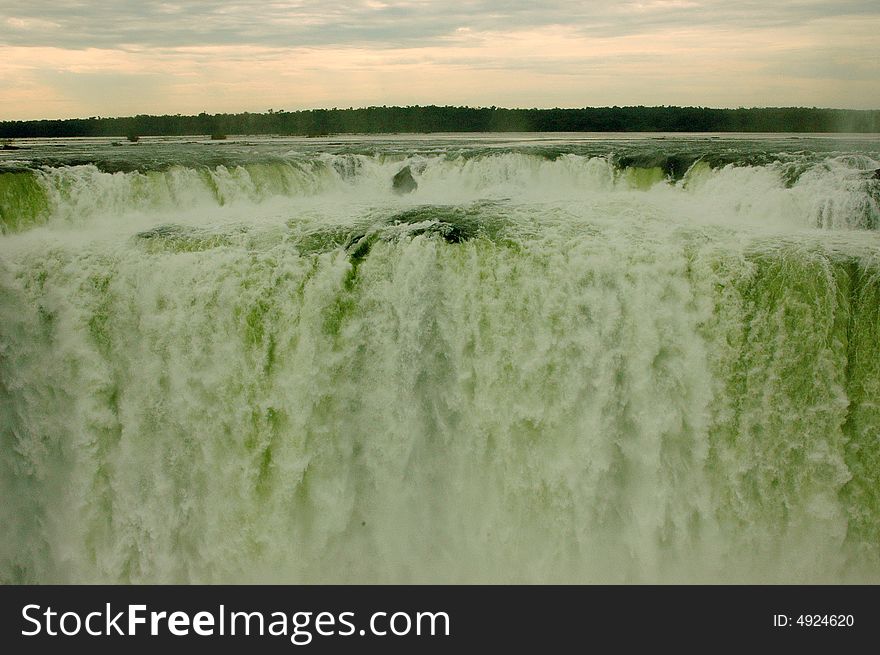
x,y
374,120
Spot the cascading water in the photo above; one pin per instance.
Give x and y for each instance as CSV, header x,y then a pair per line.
x,y
553,361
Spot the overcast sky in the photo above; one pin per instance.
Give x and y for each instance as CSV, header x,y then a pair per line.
x,y
63,59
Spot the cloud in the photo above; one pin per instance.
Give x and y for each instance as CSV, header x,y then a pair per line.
x,y
84,58
130,23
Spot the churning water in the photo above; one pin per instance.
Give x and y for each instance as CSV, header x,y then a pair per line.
x,y
539,359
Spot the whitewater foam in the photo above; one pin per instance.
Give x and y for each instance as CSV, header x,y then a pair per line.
x,y
538,369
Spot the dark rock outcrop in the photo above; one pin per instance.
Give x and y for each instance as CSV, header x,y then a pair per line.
x,y
404,182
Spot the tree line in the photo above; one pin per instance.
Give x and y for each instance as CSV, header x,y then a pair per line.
x,y
432,118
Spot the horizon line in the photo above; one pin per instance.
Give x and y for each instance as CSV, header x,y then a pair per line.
x,y
272,111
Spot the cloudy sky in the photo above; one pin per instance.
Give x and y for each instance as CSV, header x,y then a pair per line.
x,y
63,58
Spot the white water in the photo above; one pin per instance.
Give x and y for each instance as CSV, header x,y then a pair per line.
x,y
626,379
837,193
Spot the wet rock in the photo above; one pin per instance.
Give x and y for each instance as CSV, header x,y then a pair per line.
x,y
404,182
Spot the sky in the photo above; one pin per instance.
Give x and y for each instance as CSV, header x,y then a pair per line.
x,y
62,59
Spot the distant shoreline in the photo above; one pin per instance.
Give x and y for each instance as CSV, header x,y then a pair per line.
x,y
436,119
